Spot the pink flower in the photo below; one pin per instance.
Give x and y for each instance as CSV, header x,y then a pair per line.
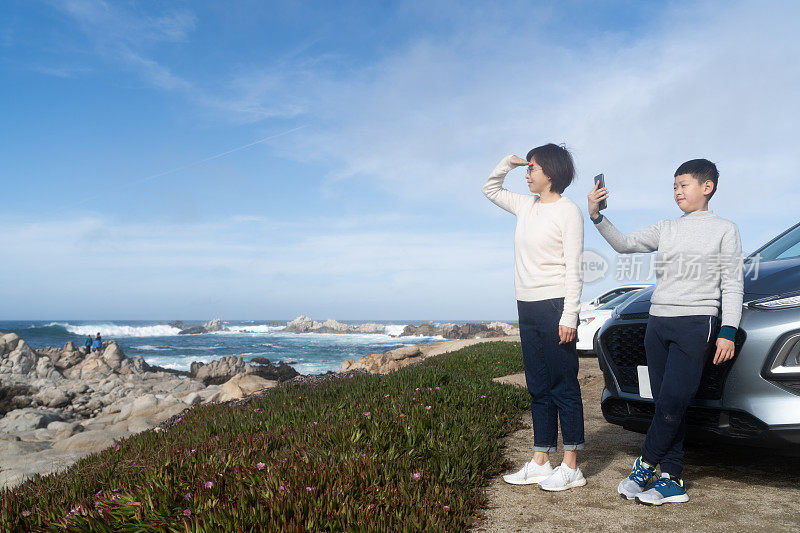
x,y
208,484
446,507
176,421
260,466
417,388
386,396
437,388
428,407
366,414
281,487
315,422
483,396
187,512
416,476
187,496
26,513
308,489
351,375
192,451
98,493
116,448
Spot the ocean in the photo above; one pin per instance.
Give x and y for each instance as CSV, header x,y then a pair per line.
x,y
159,344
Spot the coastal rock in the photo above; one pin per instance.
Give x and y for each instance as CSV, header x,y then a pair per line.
x,y
20,360
453,331
209,327
16,396
383,363
8,343
27,419
53,397
304,324
243,385
219,371
262,367
90,441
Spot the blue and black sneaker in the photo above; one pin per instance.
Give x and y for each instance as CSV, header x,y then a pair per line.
x,y
635,483
665,490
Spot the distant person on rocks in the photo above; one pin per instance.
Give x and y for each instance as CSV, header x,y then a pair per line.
x,y
548,278
88,343
98,343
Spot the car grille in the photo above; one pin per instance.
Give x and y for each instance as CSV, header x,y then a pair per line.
x,y
623,346
732,423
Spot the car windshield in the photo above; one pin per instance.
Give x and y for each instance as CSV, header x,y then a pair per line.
x,y
785,247
618,300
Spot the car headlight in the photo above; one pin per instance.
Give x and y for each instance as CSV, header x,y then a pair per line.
x,y
780,301
787,360
585,321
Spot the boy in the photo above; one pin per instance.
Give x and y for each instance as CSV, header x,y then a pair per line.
x,y
699,270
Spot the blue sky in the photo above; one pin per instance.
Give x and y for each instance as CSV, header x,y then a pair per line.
x,y
125,194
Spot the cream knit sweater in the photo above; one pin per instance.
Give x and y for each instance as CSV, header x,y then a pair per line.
x,y
548,245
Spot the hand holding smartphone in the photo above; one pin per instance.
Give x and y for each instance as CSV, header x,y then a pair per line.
x,y
601,183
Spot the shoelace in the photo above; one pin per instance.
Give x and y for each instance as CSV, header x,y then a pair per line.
x,y
641,475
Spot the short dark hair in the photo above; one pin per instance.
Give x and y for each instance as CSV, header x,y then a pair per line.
x,y
701,170
556,163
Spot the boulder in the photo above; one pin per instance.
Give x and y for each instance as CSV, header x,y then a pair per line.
x,y
46,370
209,327
219,371
21,360
383,363
27,419
262,367
453,331
89,441
243,385
8,342
13,397
112,355
53,397
304,324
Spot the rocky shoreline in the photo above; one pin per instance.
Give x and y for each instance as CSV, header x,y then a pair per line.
x,y
58,405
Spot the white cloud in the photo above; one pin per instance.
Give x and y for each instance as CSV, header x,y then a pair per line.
x,y
342,268
716,81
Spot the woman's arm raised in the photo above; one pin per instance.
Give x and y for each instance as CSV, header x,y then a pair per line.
x,y
493,188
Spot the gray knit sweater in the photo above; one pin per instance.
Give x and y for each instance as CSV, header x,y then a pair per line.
x,y
698,264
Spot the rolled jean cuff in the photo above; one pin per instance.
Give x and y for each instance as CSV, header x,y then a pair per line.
x,y
545,449
574,447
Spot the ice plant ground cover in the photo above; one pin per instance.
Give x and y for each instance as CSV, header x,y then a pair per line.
x,y
406,451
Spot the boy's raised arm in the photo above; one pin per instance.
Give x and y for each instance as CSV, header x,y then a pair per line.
x,y
494,191
731,280
644,240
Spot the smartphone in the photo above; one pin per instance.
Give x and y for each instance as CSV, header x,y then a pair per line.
x,y
601,182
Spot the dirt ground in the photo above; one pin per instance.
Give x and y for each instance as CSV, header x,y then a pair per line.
x,y
730,489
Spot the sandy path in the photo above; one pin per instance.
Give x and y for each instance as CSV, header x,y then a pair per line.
x,y
731,489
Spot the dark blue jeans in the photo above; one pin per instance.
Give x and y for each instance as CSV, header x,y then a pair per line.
x,y
551,374
677,350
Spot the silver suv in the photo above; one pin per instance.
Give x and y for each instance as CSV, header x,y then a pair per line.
x,y
753,398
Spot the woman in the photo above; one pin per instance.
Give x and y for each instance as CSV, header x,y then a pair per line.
x,y
548,278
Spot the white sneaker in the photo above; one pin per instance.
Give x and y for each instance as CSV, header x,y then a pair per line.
x,y
529,474
563,478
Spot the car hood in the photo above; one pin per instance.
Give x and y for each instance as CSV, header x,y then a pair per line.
x,y
771,277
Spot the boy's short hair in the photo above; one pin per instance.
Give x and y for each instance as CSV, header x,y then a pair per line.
x,y
556,163
701,170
